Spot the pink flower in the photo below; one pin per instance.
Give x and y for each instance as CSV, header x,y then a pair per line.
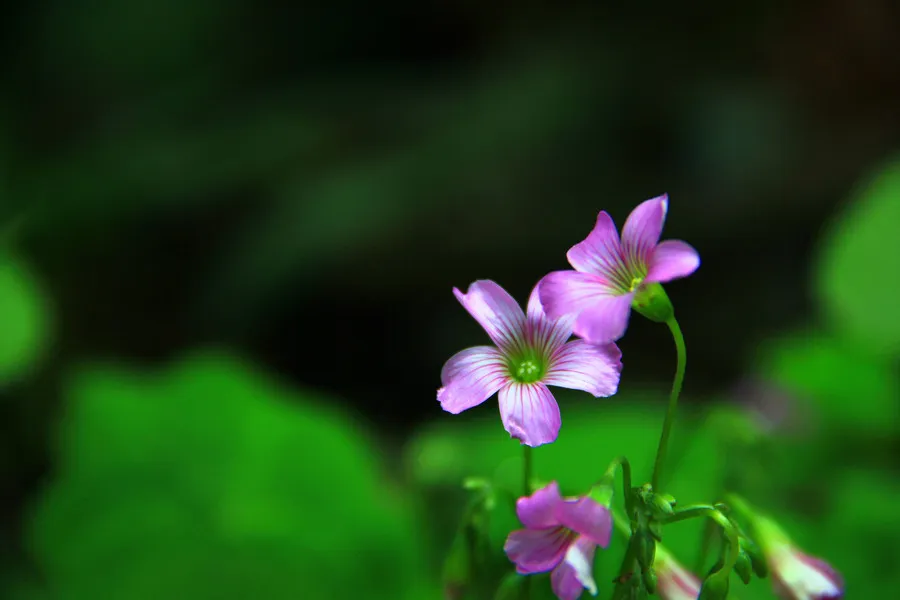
x,y
531,353
674,582
795,575
561,535
609,272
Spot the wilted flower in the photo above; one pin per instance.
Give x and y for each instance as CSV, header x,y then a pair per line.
x,y
609,272
795,575
561,536
674,582
531,353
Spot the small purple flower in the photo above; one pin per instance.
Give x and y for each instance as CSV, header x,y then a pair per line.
x,y
531,353
674,582
561,535
609,272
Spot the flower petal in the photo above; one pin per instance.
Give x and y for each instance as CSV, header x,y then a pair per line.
x,y
575,572
587,517
643,227
796,576
538,511
529,413
670,260
605,320
569,293
495,310
600,252
580,365
676,582
537,550
470,377
544,333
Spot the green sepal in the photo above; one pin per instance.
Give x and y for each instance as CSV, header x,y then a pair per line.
x,y
652,301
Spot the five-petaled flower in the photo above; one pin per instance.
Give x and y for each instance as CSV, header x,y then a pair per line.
x,y
609,271
795,575
531,353
560,535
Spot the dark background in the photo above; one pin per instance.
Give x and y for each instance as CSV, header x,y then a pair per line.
x,y
307,184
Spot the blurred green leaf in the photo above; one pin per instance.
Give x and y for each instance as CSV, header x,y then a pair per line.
x,y
863,530
213,481
24,319
856,279
851,390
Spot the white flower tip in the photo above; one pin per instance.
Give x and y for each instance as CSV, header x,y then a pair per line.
x,y
582,566
664,200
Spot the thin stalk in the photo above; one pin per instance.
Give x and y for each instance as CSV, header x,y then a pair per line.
x,y
673,402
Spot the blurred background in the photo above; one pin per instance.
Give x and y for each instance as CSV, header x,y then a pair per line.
x,y
229,233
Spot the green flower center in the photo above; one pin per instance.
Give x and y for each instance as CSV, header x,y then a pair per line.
x,y
635,282
527,369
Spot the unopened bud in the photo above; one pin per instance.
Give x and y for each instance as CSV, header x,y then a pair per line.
x,y
715,587
650,580
646,548
757,559
744,567
662,505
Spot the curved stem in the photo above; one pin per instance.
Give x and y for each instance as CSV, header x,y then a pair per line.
x,y
705,510
609,478
673,402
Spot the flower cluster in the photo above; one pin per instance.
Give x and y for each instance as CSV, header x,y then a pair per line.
x,y
532,352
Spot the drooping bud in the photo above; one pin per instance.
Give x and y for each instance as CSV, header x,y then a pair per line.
x,y
757,560
715,587
744,567
795,575
652,301
650,579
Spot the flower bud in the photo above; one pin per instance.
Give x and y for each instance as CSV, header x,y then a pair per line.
x,y
662,505
650,579
646,548
757,560
651,301
795,575
744,567
715,587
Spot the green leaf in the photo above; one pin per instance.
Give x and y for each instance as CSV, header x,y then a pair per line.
x,y
211,480
850,389
24,320
856,278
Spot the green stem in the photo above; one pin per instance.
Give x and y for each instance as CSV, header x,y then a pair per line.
x,y
527,474
609,478
705,510
673,402
623,526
